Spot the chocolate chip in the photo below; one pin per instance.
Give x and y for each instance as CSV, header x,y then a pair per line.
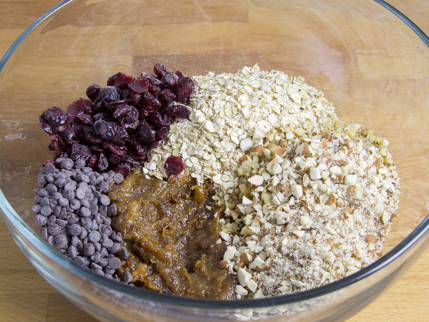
x,y
96,257
85,203
98,247
51,188
84,233
71,185
63,202
61,241
67,164
43,192
54,230
61,222
115,248
85,212
50,177
79,164
46,211
103,262
80,193
74,230
104,200
72,252
49,168
124,254
107,243
103,187
79,260
41,181
104,252
36,208
60,182
69,194
88,249
118,178
114,263
128,277
94,236
75,204
112,210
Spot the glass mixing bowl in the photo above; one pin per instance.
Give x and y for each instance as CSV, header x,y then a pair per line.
x,y
371,62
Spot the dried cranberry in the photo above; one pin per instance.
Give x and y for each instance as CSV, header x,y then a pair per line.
x,y
180,111
123,168
135,98
92,91
80,152
161,134
57,144
140,149
184,89
130,160
78,107
130,120
103,163
96,148
84,119
55,116
107,94
160,70
154,81
166,94
153,89
139,85
126,93
146,133
120,103
110,94
159,120
179,74
122,111
120,80
90,137
169,80
144,75
92,161
67,133
118,150
166,106
173,165
149,104
111,132
114,159
100,116
45,126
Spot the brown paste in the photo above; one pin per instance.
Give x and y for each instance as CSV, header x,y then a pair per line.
x,y
171,234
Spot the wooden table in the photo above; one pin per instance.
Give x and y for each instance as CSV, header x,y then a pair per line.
x,y
25,296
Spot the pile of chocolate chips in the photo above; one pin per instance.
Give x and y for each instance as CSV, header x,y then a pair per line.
x,y
75,214
119,124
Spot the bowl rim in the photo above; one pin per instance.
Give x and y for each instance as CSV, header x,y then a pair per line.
x,y
143,294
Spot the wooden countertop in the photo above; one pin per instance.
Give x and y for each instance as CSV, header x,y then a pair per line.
x,y
25,296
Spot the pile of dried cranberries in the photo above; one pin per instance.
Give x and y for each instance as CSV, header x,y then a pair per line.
x,y
120,123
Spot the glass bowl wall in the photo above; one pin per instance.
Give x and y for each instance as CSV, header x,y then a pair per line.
x,y
370,64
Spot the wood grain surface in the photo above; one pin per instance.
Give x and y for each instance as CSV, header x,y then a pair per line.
x,y
25,296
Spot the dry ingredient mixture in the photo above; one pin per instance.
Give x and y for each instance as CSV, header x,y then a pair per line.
x,y
308,200
278,195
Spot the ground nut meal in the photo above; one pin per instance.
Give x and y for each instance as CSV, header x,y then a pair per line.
x,y
251,189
